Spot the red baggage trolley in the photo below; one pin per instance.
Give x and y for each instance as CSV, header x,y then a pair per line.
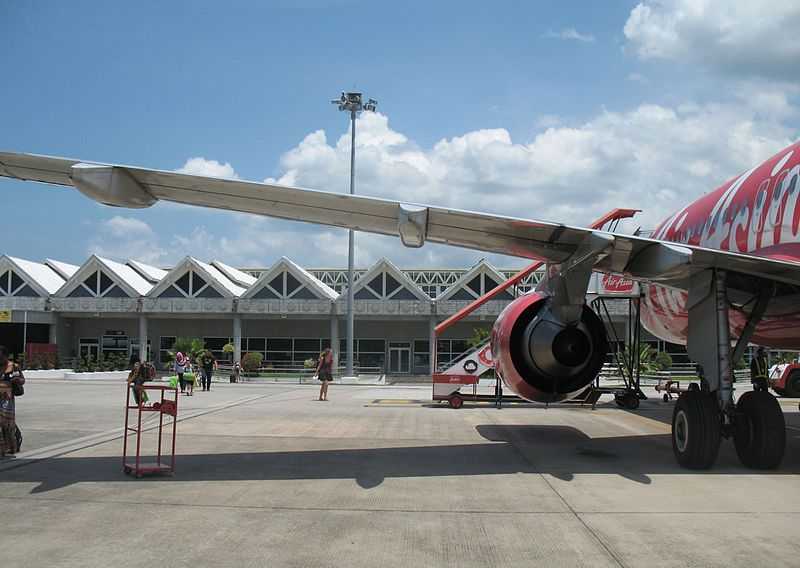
x,y
165,406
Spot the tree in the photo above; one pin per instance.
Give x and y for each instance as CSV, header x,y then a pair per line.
x,y
663,360
191,346
479,336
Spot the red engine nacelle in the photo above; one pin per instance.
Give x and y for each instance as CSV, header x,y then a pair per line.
x,y
542,359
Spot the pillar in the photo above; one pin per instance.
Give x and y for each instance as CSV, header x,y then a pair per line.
x,y
53,330
335,340
237,338
143,338
432,343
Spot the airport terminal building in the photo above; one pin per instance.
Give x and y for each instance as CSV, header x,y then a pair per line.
x,y
285,312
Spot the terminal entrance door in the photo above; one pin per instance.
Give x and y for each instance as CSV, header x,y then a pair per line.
x,y
89,348
400,358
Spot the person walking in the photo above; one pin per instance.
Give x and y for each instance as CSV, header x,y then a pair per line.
x,y
180,369
11,381
325,372
758,371
209,363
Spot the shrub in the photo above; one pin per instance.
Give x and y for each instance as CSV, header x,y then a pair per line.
x,y
663,360
309,363
251,362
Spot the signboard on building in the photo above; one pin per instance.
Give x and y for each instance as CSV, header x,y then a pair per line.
x,y
5,316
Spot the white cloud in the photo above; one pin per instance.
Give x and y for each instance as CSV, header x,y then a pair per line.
x,y
742,37
201,167
127,237
547,121
570,34
650,157
637,78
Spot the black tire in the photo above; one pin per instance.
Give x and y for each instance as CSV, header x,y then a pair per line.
x,y
665,398
456,401
759,432
696,429
792,387
630,400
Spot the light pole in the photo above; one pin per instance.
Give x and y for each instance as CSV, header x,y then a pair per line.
x,y
352,103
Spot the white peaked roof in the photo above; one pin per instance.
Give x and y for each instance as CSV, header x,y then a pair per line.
x,y
221,279
234,274
40,275
127,275
314,284
386,266
150,273
216,279
461,289
64,269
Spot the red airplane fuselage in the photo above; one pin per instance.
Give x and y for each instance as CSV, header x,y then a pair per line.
x,y
756,213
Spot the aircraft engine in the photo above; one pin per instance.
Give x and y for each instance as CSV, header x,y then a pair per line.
x,y
541,358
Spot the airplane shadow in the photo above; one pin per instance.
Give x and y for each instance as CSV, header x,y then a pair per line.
x,y
560,451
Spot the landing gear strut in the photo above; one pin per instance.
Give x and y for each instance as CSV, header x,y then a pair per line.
x,y
703,416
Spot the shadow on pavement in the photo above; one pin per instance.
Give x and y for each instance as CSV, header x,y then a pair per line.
x,y
560,451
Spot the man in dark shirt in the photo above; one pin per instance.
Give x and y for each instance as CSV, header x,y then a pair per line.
x,y
209,363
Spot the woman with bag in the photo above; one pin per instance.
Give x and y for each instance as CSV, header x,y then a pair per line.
x,y
11,382
182,367
325,372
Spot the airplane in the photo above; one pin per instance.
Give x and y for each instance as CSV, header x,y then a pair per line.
x,y
720,273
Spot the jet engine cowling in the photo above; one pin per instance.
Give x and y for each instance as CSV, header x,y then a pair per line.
x,y
543,359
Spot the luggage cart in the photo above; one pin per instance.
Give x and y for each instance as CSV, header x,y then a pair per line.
x,y
165,406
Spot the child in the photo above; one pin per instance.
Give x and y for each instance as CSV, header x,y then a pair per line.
x,y
138,376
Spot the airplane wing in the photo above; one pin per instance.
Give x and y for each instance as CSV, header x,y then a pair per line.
x,y
639,258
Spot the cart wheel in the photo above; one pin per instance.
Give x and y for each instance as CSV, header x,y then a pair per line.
x,y
666,398
127,470
456,401
630,400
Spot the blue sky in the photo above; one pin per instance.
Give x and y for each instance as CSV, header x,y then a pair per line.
x,y
539,109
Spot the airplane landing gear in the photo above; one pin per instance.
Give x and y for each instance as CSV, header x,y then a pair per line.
x,y
696,429
702,416
759,430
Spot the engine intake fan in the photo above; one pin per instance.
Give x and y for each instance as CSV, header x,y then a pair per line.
x,y
543,359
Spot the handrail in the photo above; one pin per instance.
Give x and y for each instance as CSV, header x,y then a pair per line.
x,y
613,215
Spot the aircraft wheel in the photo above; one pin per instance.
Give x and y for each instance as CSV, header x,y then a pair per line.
x,y
792,388
696,429
455,401
759,430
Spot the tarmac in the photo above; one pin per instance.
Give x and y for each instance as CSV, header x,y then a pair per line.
x,y
266,475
